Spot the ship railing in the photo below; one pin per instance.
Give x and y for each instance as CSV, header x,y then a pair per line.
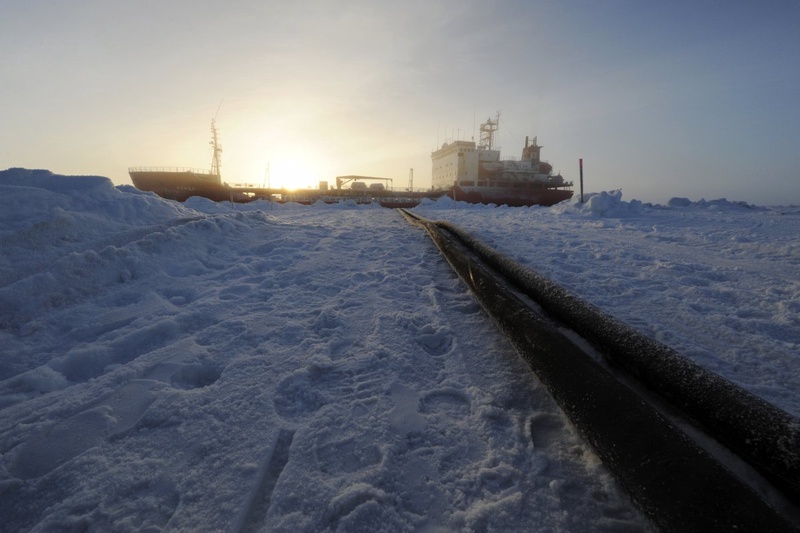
x,y
377,192
171,169
517,158
353,192
407,189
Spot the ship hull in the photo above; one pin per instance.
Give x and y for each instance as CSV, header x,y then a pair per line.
x,y
511,197
181,185
386,198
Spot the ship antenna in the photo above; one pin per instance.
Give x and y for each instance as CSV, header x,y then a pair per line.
x,y
217,157
488,130
473,123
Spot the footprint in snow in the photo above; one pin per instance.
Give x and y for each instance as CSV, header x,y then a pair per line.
x,y
346,456
47,448
437,343
298,395
450,402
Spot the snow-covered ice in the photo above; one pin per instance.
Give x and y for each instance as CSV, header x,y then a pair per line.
x,y
220,367
718,281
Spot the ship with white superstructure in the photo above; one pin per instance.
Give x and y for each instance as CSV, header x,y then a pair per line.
x,y
476,173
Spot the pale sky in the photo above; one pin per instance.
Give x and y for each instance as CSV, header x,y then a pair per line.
x,y
688,98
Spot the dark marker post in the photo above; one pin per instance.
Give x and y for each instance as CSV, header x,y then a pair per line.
x,y
580,164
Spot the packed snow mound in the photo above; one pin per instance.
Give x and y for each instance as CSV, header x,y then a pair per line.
x,y
48,196
718,204
46,217
445,202
610,204
602,204
45,179
679,202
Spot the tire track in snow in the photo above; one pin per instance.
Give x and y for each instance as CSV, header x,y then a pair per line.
x,y
255,512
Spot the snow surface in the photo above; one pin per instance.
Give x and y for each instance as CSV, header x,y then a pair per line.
x,y
718,281
221,367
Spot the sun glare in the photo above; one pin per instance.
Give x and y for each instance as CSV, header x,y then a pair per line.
x,y
279,161
294,171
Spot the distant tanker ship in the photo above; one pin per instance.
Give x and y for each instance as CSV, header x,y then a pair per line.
x,y
182,183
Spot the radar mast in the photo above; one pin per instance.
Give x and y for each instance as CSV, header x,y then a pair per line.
x,y
487,130
216,159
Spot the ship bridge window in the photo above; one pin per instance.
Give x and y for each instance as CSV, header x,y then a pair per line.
x,y
469,183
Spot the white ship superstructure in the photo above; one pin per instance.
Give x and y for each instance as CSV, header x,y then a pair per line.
x,y
476,172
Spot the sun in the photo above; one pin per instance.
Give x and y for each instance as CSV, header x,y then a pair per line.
x,y
278,161
294,171
287,172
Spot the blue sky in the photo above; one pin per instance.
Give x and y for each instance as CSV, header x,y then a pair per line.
x,y
696,99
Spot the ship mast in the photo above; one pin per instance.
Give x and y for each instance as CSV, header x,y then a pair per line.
x,y
216,159
487,132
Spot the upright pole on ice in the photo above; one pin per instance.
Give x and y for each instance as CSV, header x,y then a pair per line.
x,y
580,164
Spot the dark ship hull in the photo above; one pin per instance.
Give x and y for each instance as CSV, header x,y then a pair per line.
x,y
180,184
512,197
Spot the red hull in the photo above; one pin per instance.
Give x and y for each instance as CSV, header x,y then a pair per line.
x,y
511,197
181,185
